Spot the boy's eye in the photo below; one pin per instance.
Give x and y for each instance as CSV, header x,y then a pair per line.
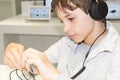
x,y
71,19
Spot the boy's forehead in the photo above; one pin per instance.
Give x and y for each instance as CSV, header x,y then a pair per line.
x,y
63,11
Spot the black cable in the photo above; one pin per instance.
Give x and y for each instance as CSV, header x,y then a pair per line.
x,y
18,75
24,75
16,70
32,75
11,73
83,68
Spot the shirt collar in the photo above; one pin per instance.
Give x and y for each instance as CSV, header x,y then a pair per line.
x,y
107,44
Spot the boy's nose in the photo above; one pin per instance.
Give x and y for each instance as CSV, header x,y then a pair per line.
x,y
67,28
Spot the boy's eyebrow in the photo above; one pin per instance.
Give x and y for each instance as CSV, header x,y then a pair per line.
x,y
67,15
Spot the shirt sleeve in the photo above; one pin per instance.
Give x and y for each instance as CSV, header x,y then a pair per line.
x,y
54,53
113,72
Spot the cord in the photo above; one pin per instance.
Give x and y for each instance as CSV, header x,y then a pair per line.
x,y
24,75
83,68
25,78
18,75
11,74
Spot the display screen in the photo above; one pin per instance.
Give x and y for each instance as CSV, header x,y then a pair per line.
x,y
37,12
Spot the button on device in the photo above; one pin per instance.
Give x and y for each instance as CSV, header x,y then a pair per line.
x,y
113,10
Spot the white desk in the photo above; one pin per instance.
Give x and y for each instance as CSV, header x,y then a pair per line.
x,y
16,29
36,34
5,72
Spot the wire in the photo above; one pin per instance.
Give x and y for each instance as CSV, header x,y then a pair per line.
x,y
11,74
23,74
83,68
18,75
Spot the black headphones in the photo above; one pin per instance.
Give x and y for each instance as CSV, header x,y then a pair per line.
x,y
97,9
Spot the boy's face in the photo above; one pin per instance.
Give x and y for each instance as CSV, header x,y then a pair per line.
x,y
77,24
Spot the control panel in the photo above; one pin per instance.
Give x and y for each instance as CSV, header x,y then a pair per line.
x,y
39,13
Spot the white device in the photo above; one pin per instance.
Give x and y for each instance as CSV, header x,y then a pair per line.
x,y
39,13
25,6
113,10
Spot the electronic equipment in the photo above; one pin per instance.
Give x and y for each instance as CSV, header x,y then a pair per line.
x,y
97,9
26,4
113,10
39,13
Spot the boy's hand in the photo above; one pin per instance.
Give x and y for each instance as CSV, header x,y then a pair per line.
x,y
13,55
42,65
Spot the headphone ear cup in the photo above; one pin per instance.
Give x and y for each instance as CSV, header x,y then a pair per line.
x,y
98,10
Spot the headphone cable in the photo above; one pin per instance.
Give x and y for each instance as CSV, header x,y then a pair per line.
x,y
83,68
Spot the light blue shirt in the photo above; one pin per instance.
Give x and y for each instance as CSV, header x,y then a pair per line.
x,y
103,62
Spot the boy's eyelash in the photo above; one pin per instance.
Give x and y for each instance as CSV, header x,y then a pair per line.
x,y
70,18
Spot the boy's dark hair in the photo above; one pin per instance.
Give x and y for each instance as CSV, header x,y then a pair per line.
x,y
65,4
97,9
